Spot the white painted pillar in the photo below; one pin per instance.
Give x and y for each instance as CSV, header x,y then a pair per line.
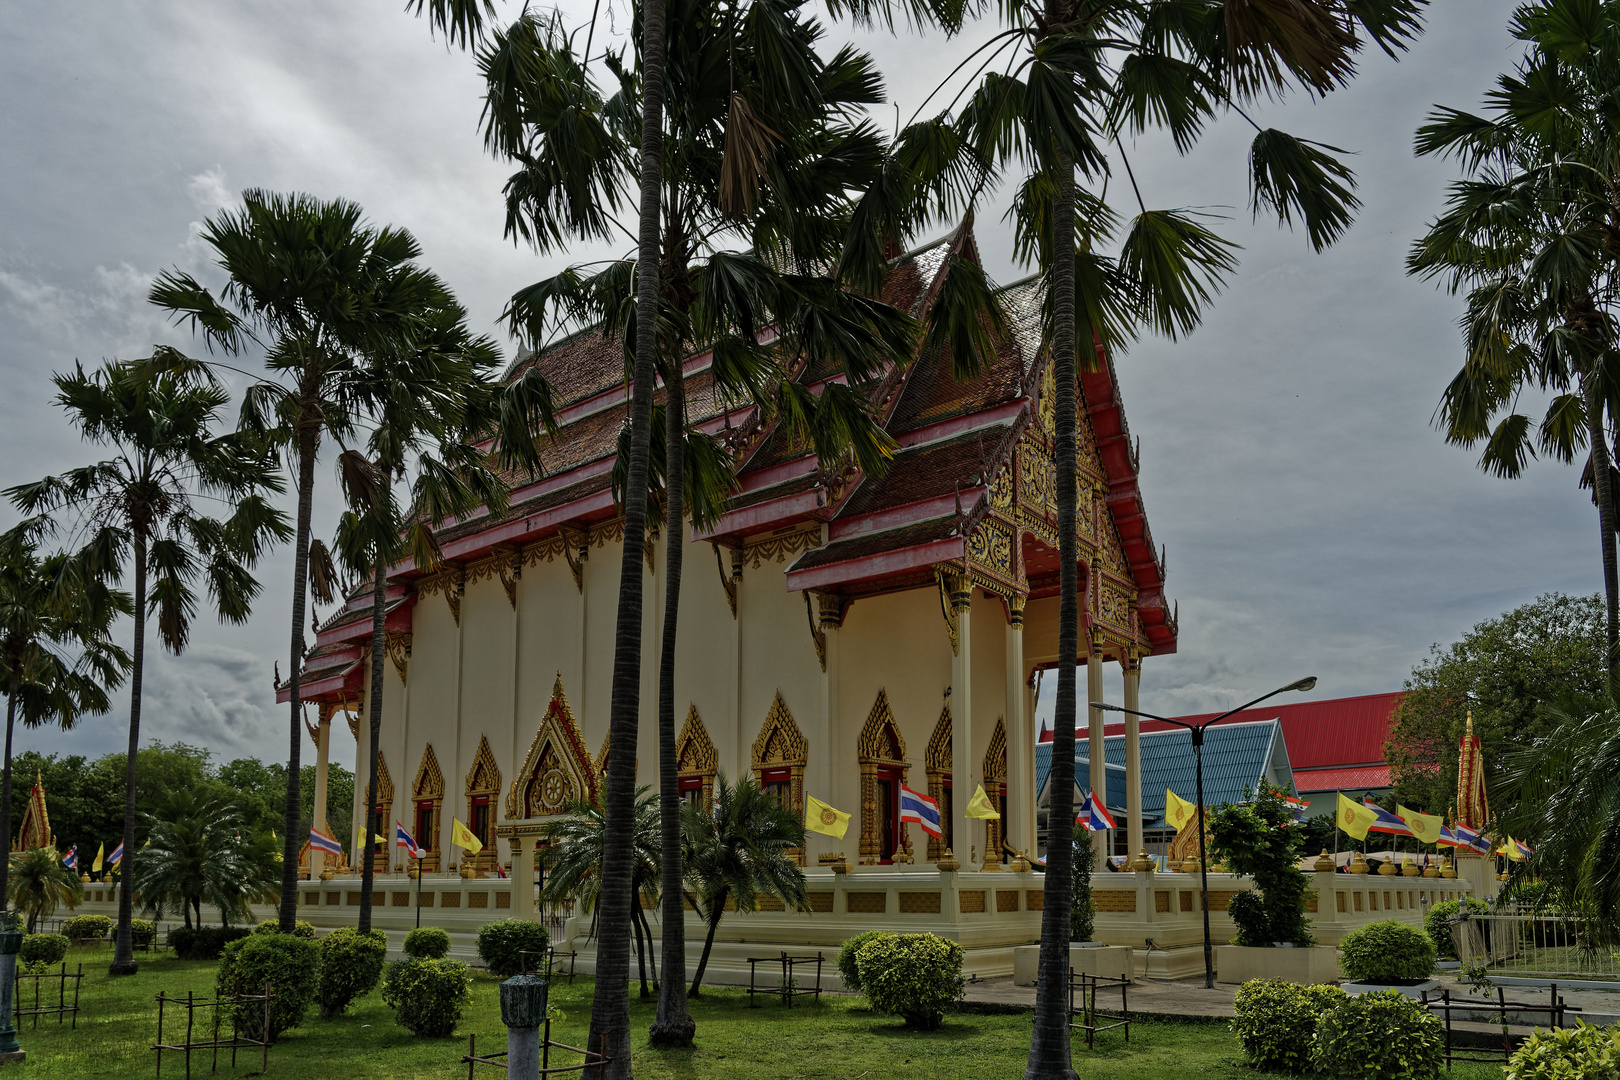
x,y
1020,739
962,761
1094,743
522,877
362,771
818,771
1132,665
323,739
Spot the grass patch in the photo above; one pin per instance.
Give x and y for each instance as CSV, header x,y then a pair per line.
x,y
838,1039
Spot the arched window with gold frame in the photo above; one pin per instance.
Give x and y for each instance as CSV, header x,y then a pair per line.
x,y
995,786
427,798
881,753
937,765
696,761
384,809
558,767
483,800
780,754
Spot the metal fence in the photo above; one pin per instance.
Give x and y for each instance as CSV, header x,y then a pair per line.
x,y
1538,944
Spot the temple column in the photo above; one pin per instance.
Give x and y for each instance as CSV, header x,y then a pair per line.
x,y
818,770
323,738
1094,742
1132,665
960,598
1020,739
362,774
522,877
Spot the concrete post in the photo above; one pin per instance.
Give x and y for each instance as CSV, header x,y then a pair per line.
x,y
1094,745
523,1011
963,772
1132,665
1020,829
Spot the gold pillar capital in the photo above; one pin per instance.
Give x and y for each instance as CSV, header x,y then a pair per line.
x,y
1015,610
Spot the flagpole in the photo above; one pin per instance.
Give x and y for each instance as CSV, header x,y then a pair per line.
x,y
418,892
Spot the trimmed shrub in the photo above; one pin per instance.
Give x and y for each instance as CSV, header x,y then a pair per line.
x,y
1276,1021
351,966
1582,1052
87,927
290,964
1248,912
142,931
500,943
1382,1036
1386,952
300,928
1082,908
427,943
848,967
427,996
914,976
203,942
43,950
1438,924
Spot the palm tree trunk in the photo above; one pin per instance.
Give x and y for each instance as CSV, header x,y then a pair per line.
x,y
1605,504
123,947
610,1005
373,824
673,1025
5,784
652,957
716,910
294,811
1049,1042
641,955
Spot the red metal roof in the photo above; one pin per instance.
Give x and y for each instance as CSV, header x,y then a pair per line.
x,y
1352,778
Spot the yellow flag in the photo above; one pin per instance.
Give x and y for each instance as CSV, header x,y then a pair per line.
x,y
100,853
980,806
379,838
1426,827
461,836
1178,811
1354,818
821,818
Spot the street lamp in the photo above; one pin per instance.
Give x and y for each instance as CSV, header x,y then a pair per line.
x,y
1197,731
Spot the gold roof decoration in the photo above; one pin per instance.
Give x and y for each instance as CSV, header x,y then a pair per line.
x,y
35,831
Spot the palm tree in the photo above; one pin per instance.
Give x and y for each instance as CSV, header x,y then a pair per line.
x,y
1528,236
39,884
141,506
196,854
57,660
737,851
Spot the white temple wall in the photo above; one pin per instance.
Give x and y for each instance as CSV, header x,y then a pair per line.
x,y
775,655
433,715
705,649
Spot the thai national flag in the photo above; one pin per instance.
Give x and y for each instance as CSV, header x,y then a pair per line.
x,y
1296,806
71,859
408,842
921,809
1094,815
1387,822
322,842
1449,838
118,854
1470,839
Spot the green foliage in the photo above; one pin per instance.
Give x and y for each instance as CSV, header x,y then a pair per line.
x,y
1248,913
351,965
849,968
142,931
1261,840
915,976
1082,910
39,884
427,996
1382,1036
204,942
43,949
432,943
1583,1052
290,964
197,854
1276,1020
500,943
87,927
300,928
1386,952
1438,923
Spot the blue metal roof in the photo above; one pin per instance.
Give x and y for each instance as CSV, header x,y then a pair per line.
x,y
1236,757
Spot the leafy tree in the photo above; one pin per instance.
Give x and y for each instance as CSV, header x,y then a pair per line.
x,y
84,796
1082,910
39,884
1506,672
196,854
1261,840
737,851
140,506
1528,236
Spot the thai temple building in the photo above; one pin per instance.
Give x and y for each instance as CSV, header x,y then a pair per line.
x,y
34,831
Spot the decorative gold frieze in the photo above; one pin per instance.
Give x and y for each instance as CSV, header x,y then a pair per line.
x,y
990,546
576,549
398,644
818,636
781,545
451,580
955,597
728,582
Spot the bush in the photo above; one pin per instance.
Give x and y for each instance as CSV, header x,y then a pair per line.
x,y
1386,952
1438,924
351,965
1260,839
427,996
203,942
290,964
500,943
1382,1036
1276,1021
1584,1052
849,968
427,943
83,927
300,928
44,950
1082,909
1248,913
141,931
915,976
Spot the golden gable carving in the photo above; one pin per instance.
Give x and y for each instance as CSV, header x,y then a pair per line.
x,y
557,767
429,782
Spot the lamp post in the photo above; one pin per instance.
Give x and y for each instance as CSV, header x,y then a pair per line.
x,y
1197,731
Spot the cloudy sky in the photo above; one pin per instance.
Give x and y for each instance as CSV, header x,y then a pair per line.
x,y
1316,523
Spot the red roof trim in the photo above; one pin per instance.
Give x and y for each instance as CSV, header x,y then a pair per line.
x,y
879,565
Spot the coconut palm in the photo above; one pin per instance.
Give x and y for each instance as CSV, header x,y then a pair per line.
x,y
39,884
141,506
737,851
196,854
1528,237
57,660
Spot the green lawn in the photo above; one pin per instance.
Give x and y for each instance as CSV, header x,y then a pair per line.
x,y
836,1039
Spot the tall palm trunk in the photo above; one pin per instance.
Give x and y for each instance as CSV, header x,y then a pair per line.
x,y
289,842
716,910
1604,495
12,687
373,823
123,946
610,1005
673,1025
1049,1043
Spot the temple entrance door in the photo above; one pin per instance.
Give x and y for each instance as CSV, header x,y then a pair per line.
x,y
888,808
483,822
778,785
426,833
947,812
379,848
691,790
